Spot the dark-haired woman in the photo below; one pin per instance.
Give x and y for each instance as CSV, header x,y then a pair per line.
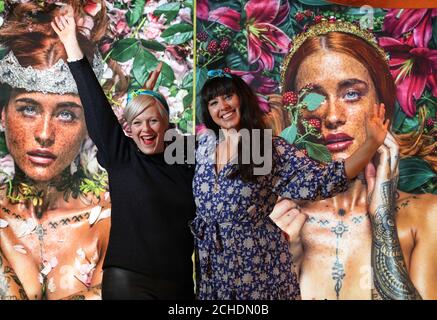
x,y
241,253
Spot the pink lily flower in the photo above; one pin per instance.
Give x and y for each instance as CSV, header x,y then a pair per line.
x,y
202,9
263,37
258,82
400,21
413,69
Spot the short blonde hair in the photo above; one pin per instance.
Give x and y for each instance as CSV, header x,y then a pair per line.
x,y
139,104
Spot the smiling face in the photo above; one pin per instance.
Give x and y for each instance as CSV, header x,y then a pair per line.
x,y
225,111
349,97
44,132
148,130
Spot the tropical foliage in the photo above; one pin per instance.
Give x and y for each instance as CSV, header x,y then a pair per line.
x,y
251,38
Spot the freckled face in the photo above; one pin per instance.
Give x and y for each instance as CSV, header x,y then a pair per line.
x,y
350,95
225,111
44,132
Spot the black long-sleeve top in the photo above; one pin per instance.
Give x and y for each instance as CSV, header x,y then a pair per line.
x,y
152,202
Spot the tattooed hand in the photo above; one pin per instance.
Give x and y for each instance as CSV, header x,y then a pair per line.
x,y
391,278
287,216
387,171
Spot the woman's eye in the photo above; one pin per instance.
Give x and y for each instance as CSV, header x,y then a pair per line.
x,y
228,96
212,103
67,116
28,111
153,121
352,95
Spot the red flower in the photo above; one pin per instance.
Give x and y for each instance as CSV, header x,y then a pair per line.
x,y
401,21
263,37
412,68
257,81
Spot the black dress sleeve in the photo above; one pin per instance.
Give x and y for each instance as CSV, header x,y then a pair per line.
x,y
102,124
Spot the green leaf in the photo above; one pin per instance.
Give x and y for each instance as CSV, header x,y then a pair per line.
x,y
313,100
188,99
188,114
398,118
413,173
187,82
169,10
315,2
178,33
152,45
2,6
183,125
167,76
134,15
290,133
236,62
410,124
144,63
189,4
124,49
318,152
201,77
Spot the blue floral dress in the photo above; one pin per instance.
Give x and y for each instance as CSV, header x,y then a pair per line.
x,y
240,252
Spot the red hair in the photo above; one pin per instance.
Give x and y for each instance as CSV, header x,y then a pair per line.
x,y
355,47
28,33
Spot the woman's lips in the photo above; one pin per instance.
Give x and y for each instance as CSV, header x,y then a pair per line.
x,y
338,142
148,141
228,115
41,157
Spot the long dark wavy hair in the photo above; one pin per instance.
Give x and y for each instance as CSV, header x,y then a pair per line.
x,y
251,117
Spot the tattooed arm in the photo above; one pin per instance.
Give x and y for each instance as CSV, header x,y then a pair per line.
x,y
391,278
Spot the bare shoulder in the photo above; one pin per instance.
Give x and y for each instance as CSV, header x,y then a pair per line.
x,y
417,210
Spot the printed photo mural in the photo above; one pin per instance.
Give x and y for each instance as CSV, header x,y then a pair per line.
x,y
318,69
54,202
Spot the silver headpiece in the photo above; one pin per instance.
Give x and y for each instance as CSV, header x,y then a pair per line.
x,y
56,79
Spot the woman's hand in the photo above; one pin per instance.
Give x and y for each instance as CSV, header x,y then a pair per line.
x,y
153,77
287,216
65,27
382,184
